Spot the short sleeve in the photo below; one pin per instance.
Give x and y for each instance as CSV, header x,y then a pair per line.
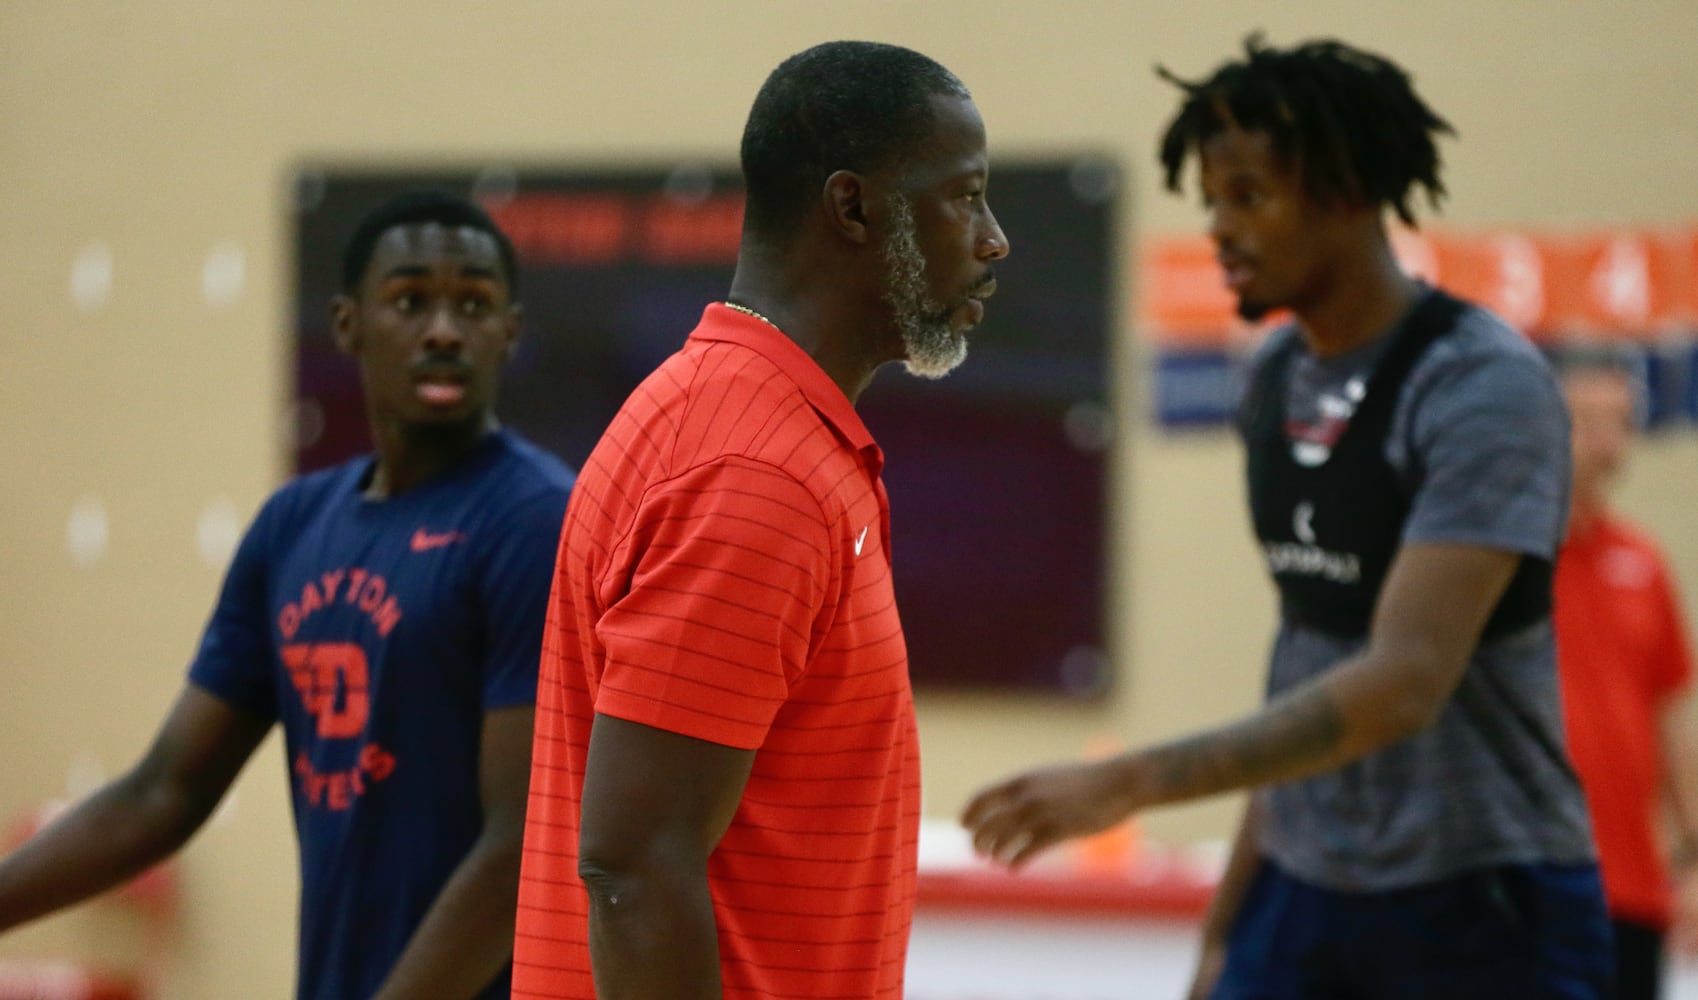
x,y
234,661
1490,455
515,574
729,566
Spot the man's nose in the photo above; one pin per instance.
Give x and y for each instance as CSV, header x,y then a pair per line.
x,y
442,332
1217,228
994,244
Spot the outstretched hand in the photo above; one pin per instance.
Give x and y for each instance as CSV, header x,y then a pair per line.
x,y
1015,819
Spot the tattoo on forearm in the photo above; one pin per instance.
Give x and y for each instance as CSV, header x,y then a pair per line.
x,y
1290,738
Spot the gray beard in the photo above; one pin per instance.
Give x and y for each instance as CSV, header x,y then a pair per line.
x,y
934,350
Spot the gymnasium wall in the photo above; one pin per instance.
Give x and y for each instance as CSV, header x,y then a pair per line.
x,y
144,154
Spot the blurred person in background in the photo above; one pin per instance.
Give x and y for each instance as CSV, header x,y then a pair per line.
x,y
1416,829
725,798
387,613
1626,667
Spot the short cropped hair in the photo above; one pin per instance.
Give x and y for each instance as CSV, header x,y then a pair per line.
x,y
422,206
1581,358
1350,120
860,106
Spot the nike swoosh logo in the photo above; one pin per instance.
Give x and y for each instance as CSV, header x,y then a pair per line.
x,y
424,541
861,539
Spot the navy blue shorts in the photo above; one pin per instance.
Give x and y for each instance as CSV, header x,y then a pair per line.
x,y
1514,932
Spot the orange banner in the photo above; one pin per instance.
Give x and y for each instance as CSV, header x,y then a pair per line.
x,y
1627,283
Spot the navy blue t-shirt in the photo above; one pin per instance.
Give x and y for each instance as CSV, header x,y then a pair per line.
x,y
378,632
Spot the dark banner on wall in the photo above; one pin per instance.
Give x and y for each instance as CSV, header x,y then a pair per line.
x,y
998,474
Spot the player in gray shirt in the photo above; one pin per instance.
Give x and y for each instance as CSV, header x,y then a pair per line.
x,y
1479,439
1417,830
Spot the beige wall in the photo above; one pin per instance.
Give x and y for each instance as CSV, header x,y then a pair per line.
x,y
163,130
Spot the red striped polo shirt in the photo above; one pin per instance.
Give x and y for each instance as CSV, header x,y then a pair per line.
x,y
724,573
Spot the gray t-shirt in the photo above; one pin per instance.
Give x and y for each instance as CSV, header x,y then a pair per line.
x,y
1480,437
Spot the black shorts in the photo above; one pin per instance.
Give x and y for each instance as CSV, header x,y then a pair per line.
x,y
1512,932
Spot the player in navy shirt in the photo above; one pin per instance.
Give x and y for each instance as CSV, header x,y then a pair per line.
x,y
388,613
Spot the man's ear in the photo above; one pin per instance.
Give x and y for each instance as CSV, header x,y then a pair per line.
x,y
344,324
844,199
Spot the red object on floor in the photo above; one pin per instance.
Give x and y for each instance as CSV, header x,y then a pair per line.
x,y
1174,891
20,980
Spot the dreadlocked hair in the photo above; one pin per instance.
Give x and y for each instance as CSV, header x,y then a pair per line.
x,y
1349,120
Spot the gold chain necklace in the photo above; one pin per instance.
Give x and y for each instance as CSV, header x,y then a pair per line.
x,y
745,310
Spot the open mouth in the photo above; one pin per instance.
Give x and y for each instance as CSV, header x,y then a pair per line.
x,y
440,389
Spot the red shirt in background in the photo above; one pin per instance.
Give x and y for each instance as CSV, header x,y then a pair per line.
x,y
724,573
1622,655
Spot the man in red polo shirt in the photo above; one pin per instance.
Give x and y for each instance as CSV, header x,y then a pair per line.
x,y
1626,670
725,781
